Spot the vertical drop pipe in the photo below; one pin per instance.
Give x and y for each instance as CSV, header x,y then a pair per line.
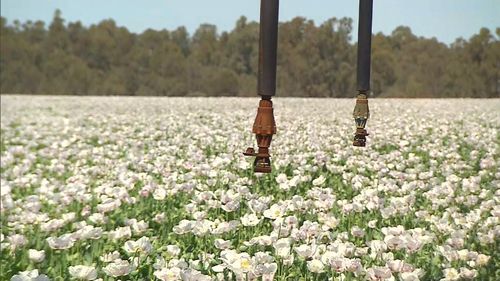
x,y
361,111
268,47
264,126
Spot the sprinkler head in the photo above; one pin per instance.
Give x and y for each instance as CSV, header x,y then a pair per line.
x,y
361,114
360,138
264,128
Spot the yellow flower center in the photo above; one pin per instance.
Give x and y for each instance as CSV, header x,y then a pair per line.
x,y
245,264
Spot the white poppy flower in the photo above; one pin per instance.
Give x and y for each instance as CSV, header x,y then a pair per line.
x,y
319,181
168,274
120,233
468,274
159,193
315,266
173,250
83,272
29,275
250,220
450,274
222,244
36,256
357,231
118,268
17,240
109,257
276,211
305,251
379,273
62,242
282,247
142,246
411,276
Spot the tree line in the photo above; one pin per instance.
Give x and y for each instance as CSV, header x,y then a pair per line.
x,y
313,61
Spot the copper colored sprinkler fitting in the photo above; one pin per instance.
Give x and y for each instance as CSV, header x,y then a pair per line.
x,y
264,128
361,114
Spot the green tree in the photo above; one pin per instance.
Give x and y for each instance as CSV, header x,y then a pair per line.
x,y
314,60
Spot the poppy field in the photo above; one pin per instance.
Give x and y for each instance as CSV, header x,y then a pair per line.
x,y
146,188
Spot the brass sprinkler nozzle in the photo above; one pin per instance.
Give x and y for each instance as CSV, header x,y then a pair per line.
x,y
361,114
264,128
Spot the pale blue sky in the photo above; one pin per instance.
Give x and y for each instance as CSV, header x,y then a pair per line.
x,y
443,19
